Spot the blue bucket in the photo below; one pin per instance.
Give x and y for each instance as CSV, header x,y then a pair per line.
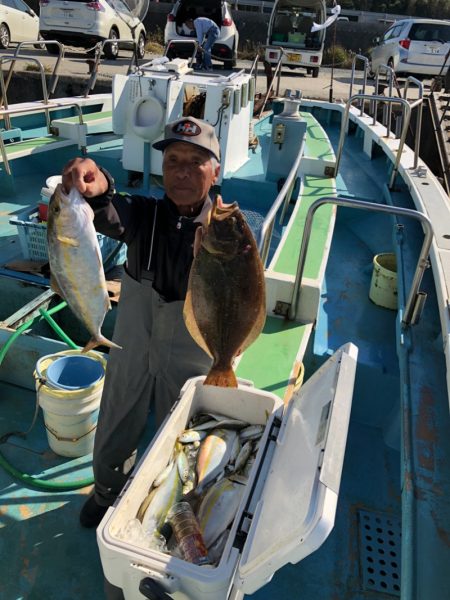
x,y
74,372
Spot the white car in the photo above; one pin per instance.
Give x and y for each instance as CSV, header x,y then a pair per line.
x,y
18,22
226,45
413,47
83,24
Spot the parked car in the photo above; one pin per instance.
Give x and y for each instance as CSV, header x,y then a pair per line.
x,y
225,48
82,24
413,47
18,22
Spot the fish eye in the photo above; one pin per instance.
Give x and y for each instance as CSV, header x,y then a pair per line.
x,y
56,209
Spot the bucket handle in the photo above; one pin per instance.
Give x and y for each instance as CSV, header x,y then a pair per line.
x,y
43,380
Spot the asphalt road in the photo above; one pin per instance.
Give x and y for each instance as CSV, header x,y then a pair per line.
x,y
330,85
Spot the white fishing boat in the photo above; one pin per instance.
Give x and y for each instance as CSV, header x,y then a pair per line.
x,y
352,479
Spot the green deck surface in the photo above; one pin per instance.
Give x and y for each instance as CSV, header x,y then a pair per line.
x,y
286,261
27,146
269,360
317,142
107,114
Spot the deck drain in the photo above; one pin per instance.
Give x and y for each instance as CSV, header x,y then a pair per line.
x,y
380,551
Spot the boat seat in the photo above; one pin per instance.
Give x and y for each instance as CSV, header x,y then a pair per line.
x,y
69,127
34,146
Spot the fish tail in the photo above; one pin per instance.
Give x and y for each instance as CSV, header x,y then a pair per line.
x,y
222,377
100,340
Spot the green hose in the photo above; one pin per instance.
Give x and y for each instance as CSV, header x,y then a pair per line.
x,y
41,484
29,480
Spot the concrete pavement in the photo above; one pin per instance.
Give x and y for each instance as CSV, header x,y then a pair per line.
x,y
75,69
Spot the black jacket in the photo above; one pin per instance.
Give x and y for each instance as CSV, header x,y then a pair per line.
x,y
131,219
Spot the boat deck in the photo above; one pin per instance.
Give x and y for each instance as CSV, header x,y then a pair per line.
x,y
53,558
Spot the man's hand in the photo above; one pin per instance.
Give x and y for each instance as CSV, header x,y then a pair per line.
x,y
85,176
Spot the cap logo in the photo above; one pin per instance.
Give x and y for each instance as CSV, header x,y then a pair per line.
x,y
187,128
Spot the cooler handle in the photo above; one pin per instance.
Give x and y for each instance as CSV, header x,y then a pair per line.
x,y
153,590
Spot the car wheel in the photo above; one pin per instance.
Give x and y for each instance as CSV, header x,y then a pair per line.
x,y
228,65
111,50
4,36
315,72
140,49
40,46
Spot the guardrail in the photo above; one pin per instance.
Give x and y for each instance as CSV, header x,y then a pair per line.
x,y
416,298
283,198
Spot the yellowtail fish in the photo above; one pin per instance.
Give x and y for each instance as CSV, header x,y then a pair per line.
x,y
214,455
225,306
218,508
76,264
156,505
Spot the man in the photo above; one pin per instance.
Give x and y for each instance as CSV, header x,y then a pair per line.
x,y
207,33
158,354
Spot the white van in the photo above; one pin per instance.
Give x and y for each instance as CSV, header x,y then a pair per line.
x,y
290,28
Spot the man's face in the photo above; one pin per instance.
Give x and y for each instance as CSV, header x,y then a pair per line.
x,y
188,173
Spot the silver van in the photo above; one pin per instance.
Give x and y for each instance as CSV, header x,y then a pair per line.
x,y
413,47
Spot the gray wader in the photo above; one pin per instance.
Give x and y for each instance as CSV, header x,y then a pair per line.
x,y
158,355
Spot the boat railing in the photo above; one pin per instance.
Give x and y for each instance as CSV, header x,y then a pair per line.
x,y
406,109
195,46
13,58
283,198
6,112
419,84
54,75
390,74
416,298
365,60
98,52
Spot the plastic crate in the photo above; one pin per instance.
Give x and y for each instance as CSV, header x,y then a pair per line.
x,y
33,239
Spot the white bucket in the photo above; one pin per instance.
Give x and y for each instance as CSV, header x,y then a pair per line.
x,y
383,287
69,386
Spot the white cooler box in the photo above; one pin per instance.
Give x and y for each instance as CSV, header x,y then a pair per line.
x,y
289,505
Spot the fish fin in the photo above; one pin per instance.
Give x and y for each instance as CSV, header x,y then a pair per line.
x,y
191,323
68,241
55,286
221,377
94,342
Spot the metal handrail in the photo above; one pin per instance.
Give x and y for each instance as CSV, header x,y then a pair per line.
x,y
15,58
31,109
284,195
407,110
389,71
366,69
418,135
181,42
54,79
98,50
415,297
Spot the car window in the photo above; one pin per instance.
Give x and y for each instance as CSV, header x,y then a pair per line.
x,y
9,3
22,6
426,32
388,34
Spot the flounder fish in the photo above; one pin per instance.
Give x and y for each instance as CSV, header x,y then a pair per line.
x,y
76,263
225,307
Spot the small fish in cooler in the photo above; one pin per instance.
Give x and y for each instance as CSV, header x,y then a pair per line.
x,y
207,469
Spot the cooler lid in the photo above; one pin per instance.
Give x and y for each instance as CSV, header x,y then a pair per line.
x,y
296,509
